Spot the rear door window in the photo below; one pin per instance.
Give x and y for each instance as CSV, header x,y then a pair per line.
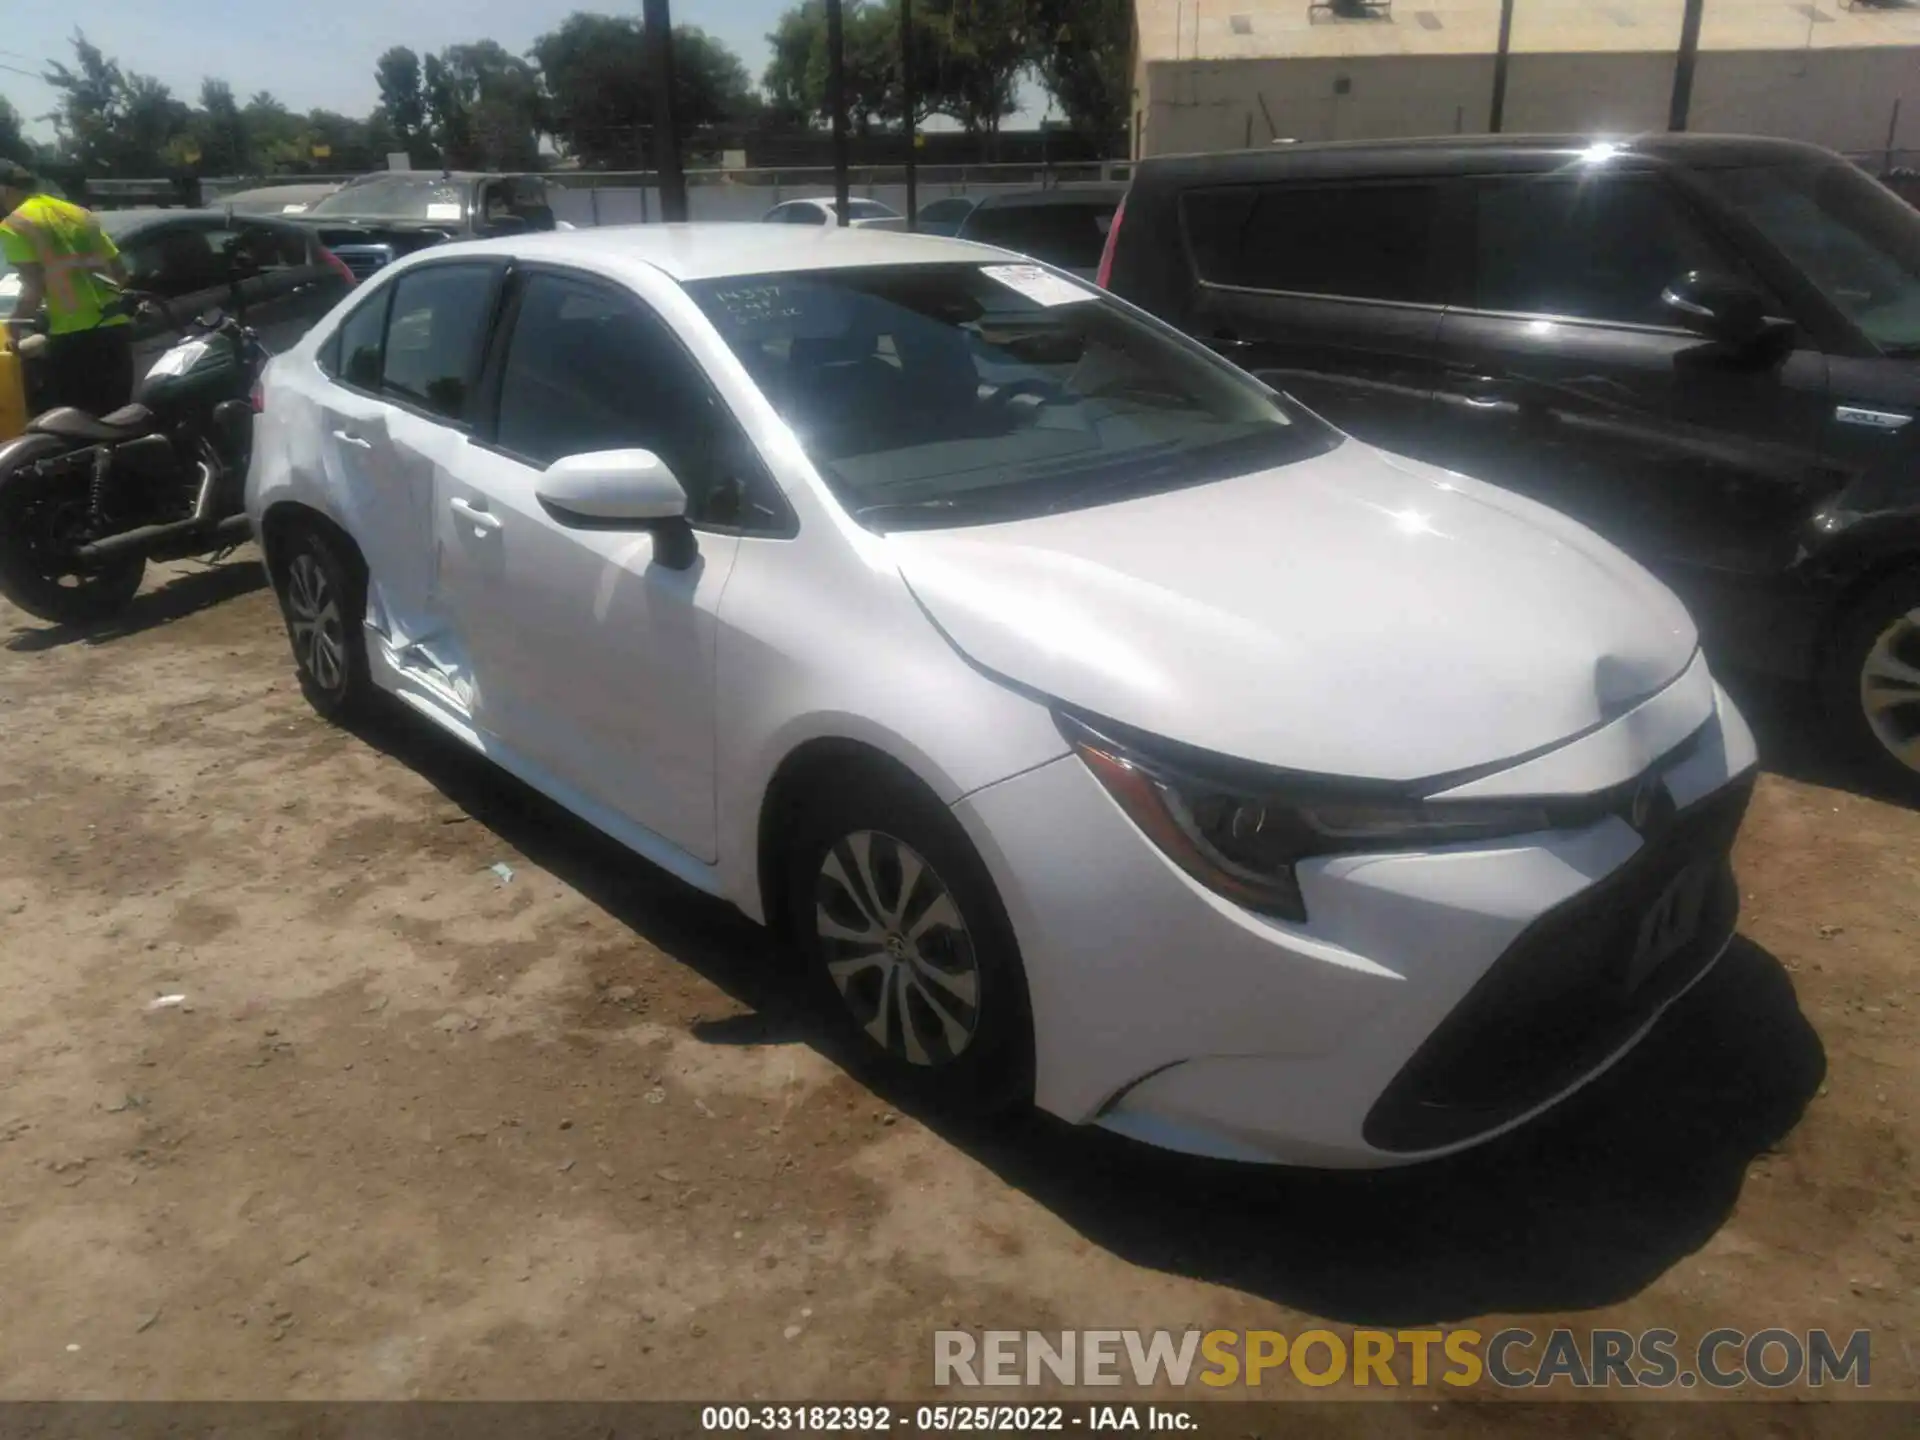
x,y
435,329
1371,241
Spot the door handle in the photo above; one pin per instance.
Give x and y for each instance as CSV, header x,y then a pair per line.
x,y
347,437
1871,419
1228,342
1477,391
474,515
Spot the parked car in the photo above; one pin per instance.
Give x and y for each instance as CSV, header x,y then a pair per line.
x,y
1065,226
373,220
1706,348
821,210
1101,727
272,275
275,199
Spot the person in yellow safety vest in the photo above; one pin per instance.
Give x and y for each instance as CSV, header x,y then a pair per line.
x,y
70,268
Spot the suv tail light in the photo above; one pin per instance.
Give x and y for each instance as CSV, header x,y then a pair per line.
x,y
1104,278
259,397
338,266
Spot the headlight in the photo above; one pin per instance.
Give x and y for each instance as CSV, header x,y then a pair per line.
x,y
1242,839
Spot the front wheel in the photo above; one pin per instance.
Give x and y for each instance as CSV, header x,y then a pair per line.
x,y
910,951
1873,681
43,520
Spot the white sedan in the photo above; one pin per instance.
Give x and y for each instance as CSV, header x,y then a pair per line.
x,y
824,210
1102,728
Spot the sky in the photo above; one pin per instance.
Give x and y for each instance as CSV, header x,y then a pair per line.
x,y
312,54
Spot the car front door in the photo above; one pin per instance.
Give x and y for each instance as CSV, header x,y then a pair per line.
x,y
593,650
394,431
1568,378
1329,292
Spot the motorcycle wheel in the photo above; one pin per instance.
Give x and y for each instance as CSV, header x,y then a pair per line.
x,y
42,516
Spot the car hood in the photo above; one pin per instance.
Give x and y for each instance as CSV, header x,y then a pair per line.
x,y
1355,614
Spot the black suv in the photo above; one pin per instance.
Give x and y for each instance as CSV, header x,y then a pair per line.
x,y
1706,348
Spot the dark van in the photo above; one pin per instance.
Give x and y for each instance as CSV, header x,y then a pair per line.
x,y
1707,348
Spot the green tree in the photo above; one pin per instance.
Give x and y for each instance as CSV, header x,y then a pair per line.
x,y
599,86
220,130
13,134
1083,53
402,100
981,49
485,107
796,76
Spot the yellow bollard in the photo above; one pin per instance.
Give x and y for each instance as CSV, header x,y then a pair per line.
x,y
13,391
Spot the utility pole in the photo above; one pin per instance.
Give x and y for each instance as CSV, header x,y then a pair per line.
x,y
837,103
666,138
1683,64
908,103
1498,112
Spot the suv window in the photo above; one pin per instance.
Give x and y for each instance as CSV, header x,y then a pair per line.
x,y
437,320
1070,235
177,260
1369,241
1593,248
587,369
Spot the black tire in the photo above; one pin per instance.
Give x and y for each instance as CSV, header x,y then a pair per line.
x,y
1874,710
918,966
322,588
41,518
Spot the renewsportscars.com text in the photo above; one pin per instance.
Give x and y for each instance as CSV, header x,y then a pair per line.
x,y
1511,1359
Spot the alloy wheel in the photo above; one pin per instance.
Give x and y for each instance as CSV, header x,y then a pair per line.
x,y
313,617
1890,689
897,949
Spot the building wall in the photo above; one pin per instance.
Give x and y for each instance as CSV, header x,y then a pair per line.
x,y
1838,98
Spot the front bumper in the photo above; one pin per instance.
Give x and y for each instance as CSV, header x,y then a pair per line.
x,y
1431,1001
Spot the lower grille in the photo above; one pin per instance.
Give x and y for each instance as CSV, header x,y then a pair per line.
x,y
1560,1000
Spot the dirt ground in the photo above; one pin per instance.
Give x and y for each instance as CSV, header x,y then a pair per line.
x,y
420,1131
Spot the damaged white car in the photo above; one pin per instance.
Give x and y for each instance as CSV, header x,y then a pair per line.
x,y
1106,731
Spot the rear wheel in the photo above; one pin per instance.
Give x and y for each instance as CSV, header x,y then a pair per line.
x,y
1873,681
43,519
323,599
910,952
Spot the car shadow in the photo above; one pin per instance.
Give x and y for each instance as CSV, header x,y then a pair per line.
x,y
183,595
1582,1208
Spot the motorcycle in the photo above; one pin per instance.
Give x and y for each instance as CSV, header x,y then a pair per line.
x,y
86,501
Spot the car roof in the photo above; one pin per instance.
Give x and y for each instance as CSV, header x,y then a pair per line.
x,y
1468,153
719,249
1095,194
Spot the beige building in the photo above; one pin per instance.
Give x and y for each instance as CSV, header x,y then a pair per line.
x,y
1224,74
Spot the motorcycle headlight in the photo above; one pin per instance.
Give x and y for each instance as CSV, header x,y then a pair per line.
x,y
1243,839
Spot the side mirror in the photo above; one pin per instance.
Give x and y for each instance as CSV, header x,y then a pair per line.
x,y
1717,307
621,490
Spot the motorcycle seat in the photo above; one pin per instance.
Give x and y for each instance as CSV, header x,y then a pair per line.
x,y
129,422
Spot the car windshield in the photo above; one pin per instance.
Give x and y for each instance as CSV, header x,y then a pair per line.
x,y
1854,238
932,395
398,197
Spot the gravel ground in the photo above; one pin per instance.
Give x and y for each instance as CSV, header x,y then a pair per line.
x,y
419,1131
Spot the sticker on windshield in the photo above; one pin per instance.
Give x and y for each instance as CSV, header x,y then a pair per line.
x,y
1036,284
442,210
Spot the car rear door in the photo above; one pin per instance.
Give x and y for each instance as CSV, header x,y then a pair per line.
x,y
1328,291
1567,379
395,424
593,657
